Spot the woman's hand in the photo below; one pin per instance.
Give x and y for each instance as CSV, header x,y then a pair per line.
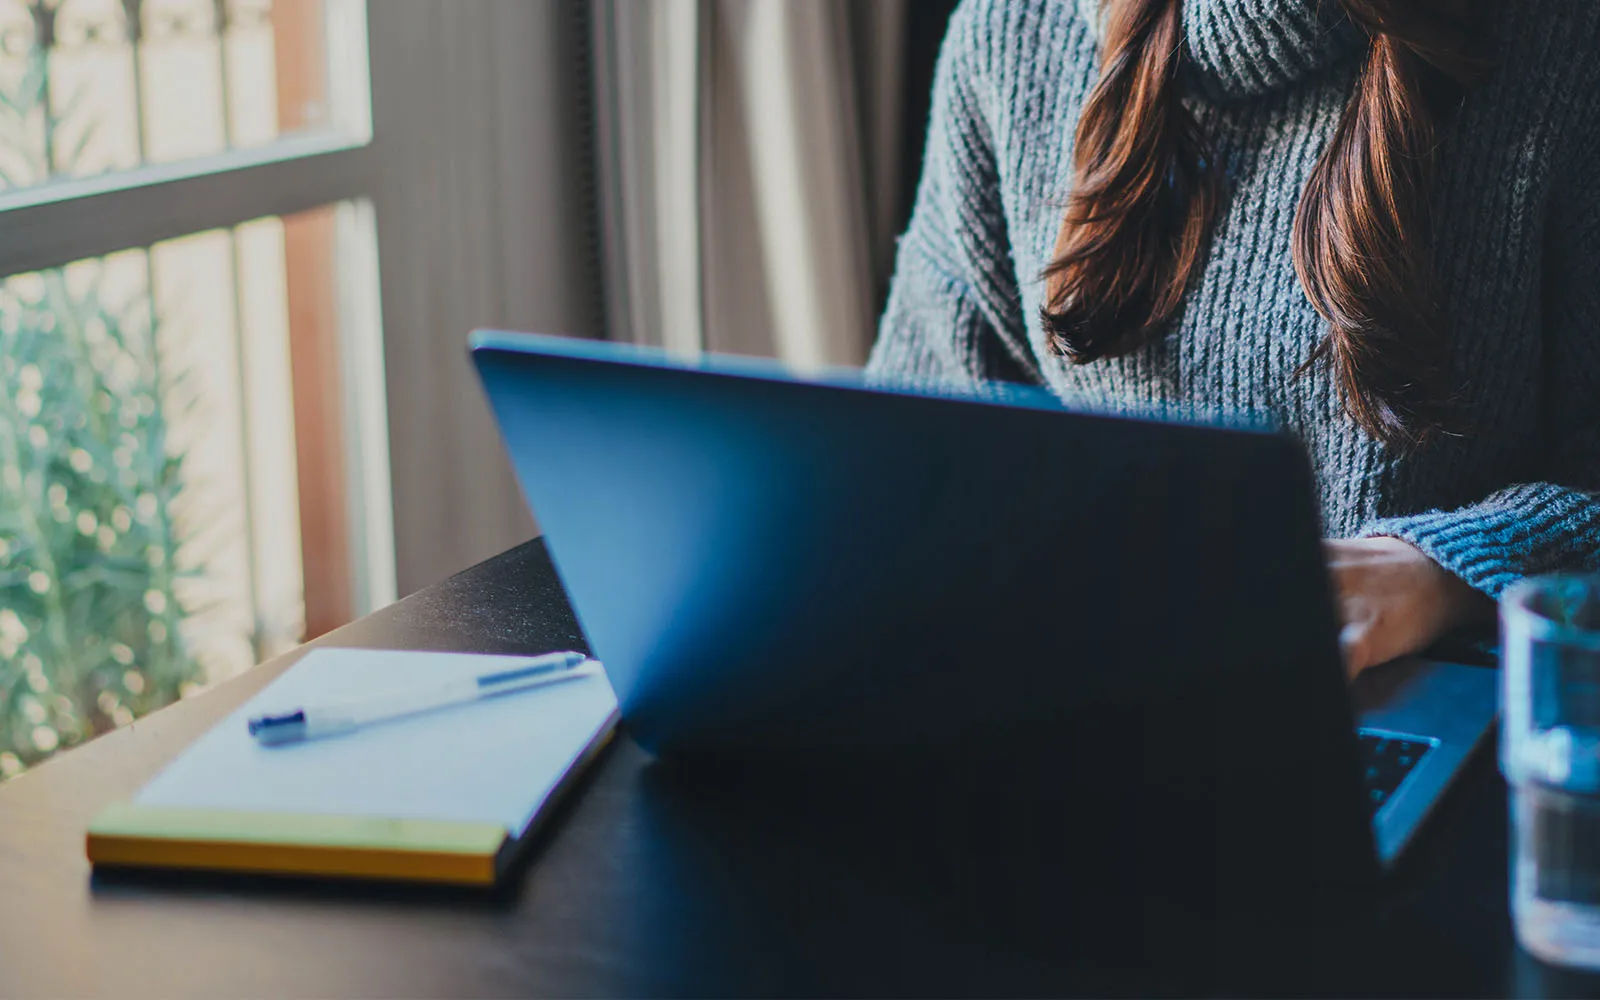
x,y
1394,600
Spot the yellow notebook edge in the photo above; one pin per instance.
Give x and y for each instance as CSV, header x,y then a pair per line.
x,y
134,835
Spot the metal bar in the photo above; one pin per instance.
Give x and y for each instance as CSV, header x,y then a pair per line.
x,y
55,224
369,488
44,40
241,377
133,16
220,29
246,473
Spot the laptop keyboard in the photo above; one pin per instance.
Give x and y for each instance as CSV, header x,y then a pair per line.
x,y
1389,759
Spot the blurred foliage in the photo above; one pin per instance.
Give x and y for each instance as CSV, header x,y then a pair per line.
x,y
90,633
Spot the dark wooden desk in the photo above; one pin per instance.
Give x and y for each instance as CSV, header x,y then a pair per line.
x,y
643,887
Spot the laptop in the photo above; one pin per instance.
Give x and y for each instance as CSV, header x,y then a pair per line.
x,y
1124,616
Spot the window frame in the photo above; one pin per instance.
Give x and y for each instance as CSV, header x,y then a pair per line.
x,y
57,223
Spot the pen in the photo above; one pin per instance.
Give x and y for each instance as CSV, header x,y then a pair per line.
x,y
311,722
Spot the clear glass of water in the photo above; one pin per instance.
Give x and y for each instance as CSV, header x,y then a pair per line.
x,y
1550,754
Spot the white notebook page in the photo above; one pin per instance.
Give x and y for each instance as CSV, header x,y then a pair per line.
x,y
491,761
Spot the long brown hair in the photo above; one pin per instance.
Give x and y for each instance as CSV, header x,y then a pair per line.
x,y
1146,192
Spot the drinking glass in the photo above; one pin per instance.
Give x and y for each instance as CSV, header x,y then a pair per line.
x,y
1550,755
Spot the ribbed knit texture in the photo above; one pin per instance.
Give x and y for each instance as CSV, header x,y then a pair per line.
x,y
1517,236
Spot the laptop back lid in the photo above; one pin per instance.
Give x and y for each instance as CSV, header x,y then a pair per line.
x,y
812,567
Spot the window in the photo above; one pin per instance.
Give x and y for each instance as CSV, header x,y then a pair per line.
x,y
193,457
194,199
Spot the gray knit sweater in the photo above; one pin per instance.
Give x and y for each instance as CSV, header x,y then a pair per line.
x,y
1517,246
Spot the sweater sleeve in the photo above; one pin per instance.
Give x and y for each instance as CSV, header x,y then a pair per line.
x,y
1552,525
954,314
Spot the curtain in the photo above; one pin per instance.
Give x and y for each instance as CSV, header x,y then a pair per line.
x,y
647,95
749,157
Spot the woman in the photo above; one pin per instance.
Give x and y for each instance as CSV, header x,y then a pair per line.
x,y
1374,219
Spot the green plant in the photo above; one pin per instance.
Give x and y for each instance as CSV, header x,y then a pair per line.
x,y
90,608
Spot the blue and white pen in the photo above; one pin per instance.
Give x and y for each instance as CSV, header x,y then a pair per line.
x,y
312,722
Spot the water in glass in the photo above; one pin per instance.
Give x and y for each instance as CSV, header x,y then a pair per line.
x,y
1550,754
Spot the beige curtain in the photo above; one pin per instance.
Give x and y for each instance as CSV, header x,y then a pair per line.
x,y
749,161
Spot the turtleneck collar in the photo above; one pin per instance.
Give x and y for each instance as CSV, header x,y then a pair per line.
x,y
1239,49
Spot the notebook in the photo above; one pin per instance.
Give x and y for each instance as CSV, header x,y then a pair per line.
x,y
445,796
